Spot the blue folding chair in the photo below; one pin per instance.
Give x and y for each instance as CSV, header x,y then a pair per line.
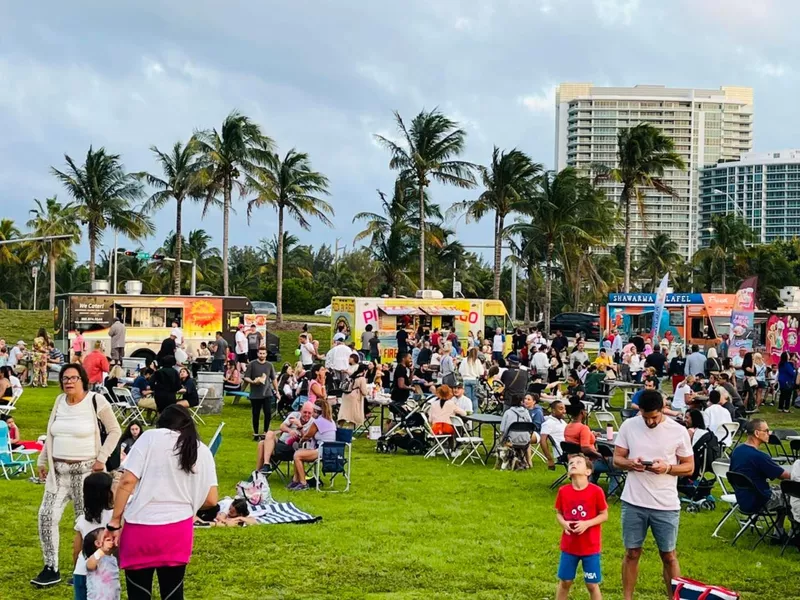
x,y
8,463
216,440
334,459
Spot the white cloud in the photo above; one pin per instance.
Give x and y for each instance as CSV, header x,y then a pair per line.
x,y
544,102
380,77
462,24
769,69
616,12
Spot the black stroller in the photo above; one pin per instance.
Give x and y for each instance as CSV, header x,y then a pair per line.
x,y
408,431
695,490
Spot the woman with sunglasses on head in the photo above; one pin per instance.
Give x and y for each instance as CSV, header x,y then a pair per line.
x,y
72,450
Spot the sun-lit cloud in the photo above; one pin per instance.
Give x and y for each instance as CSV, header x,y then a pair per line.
x,y
544,102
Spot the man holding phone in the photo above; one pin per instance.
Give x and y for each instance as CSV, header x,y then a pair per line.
x,y
655,450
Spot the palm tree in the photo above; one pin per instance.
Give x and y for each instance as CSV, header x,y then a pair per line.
x,y
660,256
562,209
237,148
8,231
289,185
390,238
428,150
729,237
509,177
51,219
181,181
103,194
643,153
527,253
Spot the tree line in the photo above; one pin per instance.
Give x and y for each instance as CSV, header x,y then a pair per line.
x,y
562,229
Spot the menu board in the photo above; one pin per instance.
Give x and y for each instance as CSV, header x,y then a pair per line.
x,y
90,313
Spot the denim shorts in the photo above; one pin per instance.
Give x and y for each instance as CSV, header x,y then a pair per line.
x,y
663,523
568,567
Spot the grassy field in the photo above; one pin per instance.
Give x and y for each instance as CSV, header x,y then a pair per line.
x,y
409,529
23,324
305,318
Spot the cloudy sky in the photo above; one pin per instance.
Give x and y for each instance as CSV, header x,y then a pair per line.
x,y
324,76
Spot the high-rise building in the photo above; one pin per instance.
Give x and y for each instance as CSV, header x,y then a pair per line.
x,y
706,125
763,188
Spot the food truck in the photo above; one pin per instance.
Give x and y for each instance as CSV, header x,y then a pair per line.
x,y
782,326
148,320
351,315
688,318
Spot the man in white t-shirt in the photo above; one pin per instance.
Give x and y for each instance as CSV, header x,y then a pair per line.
x,y
338,358
655,450
553,432
240,348
178,333
498,344
307,352
716,414
683,392
540,361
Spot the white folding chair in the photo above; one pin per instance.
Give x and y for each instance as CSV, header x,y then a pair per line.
x,y
720,469
129,410
472,443
725,434
118,404
438,446
5,409
605,418
195,411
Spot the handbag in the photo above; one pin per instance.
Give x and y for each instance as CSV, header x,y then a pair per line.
x,y
684,588
113,460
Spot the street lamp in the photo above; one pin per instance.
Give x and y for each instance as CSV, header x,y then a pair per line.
x,y
728,197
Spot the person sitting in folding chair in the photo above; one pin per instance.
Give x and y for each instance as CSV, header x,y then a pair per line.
x,y
442,408
577,432
517,444
749,460
189,390
281,444
322,429
553,433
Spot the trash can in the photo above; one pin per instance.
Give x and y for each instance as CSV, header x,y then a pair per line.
x,y
213,382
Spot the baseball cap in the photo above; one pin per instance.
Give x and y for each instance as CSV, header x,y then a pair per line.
x,y
338,337
21,343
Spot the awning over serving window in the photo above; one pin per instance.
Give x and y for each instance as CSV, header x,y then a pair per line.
x,y
397,311
148,303
441,311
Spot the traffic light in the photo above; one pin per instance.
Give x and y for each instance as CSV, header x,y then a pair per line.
x,y
158,256
129,253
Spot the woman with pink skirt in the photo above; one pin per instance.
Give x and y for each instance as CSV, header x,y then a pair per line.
x,y
169,475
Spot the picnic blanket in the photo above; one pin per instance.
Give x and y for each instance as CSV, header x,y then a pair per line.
x,y
282,512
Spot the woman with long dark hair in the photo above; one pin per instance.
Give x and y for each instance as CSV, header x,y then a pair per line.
x,y
169,476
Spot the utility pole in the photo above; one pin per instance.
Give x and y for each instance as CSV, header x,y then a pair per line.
x,y
35,273
116,261
336,250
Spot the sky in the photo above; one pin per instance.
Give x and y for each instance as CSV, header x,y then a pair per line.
x,y
324,77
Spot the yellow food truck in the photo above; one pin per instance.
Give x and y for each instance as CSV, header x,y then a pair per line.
x,y
351,315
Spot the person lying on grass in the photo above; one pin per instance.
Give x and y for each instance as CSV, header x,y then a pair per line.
x,y
322,429
236,514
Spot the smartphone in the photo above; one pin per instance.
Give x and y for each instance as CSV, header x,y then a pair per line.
x,y
647,463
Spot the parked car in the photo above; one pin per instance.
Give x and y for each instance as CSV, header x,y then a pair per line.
x,y
264,308
571,323
323,312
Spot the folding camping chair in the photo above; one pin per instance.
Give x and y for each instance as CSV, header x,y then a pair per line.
x,y
438,439
473,443
195,410
334,459
216,440
762,521
10,464
567,448
126,405
720,469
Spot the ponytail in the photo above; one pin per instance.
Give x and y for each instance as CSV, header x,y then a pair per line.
x,y
177,418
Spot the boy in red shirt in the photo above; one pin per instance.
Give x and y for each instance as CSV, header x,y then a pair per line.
x,y
581,508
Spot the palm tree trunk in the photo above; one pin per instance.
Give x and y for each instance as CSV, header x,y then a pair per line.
x,y
577,291
528,294
548,288
498,230
279,266
422,233
176,273
724,276
92,250
226,207
52,259
626,199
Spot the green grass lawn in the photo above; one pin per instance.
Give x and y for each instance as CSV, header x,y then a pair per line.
x,y
409,529
305,318
23,324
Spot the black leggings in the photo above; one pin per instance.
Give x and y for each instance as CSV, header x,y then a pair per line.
x,y
259,404
785,399
170,582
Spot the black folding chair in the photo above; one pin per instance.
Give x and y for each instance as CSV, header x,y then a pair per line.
x,y
763,521
782,434
794,446
567,449
791,489
613,474
741,434
776,449
628,413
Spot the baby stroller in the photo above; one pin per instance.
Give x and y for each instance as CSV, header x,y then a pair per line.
x,y
408,431
490,396
695,490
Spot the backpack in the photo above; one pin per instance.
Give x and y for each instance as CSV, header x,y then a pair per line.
x,y
113,460
255,490
302,387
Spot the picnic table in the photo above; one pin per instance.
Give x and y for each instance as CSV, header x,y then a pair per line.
x,y
238,395
382,400
483,419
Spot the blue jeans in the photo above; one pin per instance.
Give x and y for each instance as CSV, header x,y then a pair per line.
x,y
79,587
469,392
